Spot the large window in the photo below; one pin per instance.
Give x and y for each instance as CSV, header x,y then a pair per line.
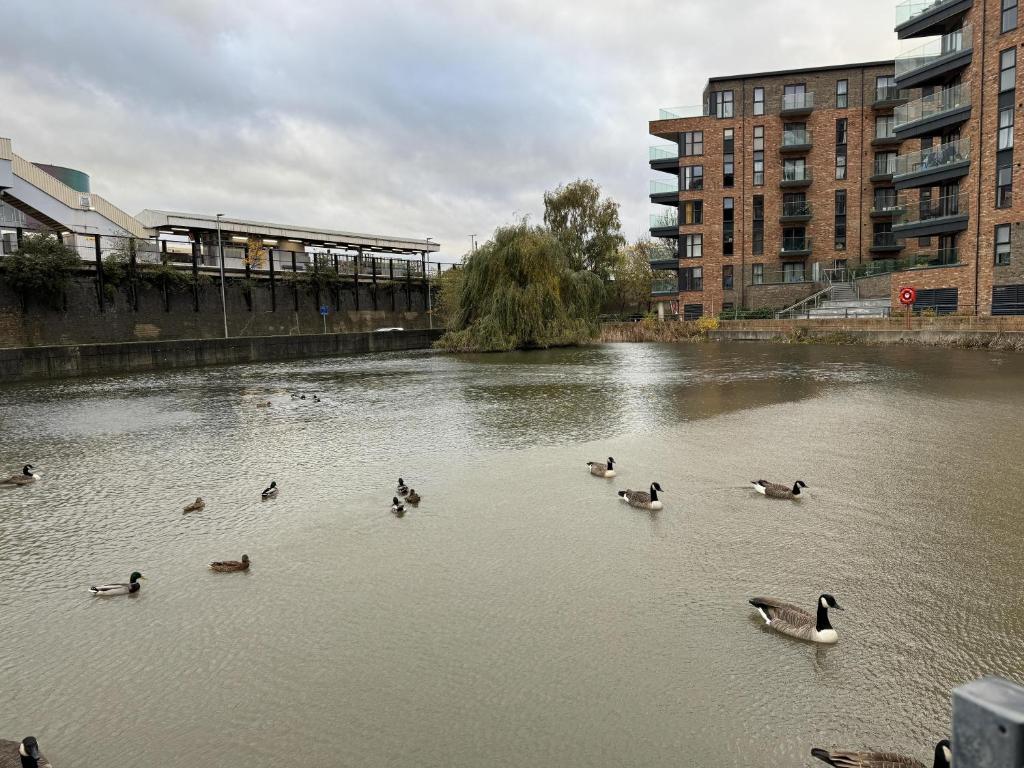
x,y
840,219
692,246
1008,69
1002,245
758,155
691,212
728,221
721,104
757,245
841,147
1009,15
757,274
759,101
727,277
729,158
691,279
693,143
885,200
842,94
1004,186
885,163
693,177
883,127
1006,128
794,169
793,272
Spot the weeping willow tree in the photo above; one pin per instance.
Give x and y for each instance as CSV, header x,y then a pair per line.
x,y
519,292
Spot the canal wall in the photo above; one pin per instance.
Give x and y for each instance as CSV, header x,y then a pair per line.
x,y
54,362
150,313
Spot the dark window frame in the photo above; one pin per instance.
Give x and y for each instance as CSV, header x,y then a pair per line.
x,y
757,274
692,144
1005,131
728,277
1004,192
840,234
758,91
1007,73
842,95
728,225
1002,258
1008,16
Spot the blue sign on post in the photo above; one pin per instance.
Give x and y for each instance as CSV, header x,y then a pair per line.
x,y
325,310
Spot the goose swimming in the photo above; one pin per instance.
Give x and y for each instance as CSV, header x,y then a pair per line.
x,y
794,621
226,566
848,759
270,491
109,590
642,500
600,469
22,754
778,491
26,476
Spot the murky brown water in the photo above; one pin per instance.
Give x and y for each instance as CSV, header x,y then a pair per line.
x,y
523,616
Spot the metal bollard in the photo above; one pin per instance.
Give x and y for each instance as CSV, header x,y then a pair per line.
x,y
988,724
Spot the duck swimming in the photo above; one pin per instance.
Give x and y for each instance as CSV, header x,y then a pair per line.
x,y
413,497
270,491
227,566
109,590
196,506
403,489
397,507
27,475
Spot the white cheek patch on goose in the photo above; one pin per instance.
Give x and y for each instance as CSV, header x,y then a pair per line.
x,y
948,754
824,603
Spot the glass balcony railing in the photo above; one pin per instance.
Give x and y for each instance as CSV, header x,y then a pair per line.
x,y
667,219
662,253
666,285
797,101
795,244
890,93
664,187
796,208
885,166
921,211
675,113
934,158
796,137
663,152
911,9
946,100
947,46
884,240
800,173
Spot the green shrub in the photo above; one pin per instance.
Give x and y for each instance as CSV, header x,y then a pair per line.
x,y
40,269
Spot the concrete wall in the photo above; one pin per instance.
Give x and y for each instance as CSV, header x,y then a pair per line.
x,y
174,316
80,360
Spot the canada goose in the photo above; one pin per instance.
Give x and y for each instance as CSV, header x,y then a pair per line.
x,y
777,491
27,475
225,566
794,621
600,469
845,759
413,497
397,507
109,590
196,506
642,500
403,489
271,490
22,754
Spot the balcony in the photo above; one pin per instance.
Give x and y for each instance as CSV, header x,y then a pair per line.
x,y
665,193
795,211
940,216
795,177
665,287
664,157
795,141
663,257
665,224
932,114
924,18
680,113
936,165
884,170
886,140
935,60
885,209
794,104
889,96
885,242
795,248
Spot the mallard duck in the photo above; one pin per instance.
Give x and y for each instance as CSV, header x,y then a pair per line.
x,y
642,500
396,506
263,405
316,398
794,621
600,469
845,759
777,491
403,489
22,754
270,491
109,590
225,566
413,497
196,506
27,475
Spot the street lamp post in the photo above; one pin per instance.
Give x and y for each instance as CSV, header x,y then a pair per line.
x,y
223,301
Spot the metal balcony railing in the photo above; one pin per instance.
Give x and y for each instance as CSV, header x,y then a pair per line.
x,y
917,211
883,240
796,137
797,101
945,47
799,173
934,158
946,100
795,244
796,208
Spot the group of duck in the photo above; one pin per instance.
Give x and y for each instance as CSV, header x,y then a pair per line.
x,y
295,396
409,496
790,619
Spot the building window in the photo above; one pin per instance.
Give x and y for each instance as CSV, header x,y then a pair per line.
x,y
885,200
1009,15
693,143
720,104
729,158
693,246
759,101
1008,69
841,146
757,246
842,94
727,277
885,87
885,163
692,212
691,279
794,96
757,274
840,219
793,272
794,169
1004,187
1002,245
758,155
883,127
1006,128
728,214
693,177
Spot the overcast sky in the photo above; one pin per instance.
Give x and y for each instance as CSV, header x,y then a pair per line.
x,y
439,118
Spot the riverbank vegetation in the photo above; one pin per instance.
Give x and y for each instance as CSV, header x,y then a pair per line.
x,y
650,329
40,269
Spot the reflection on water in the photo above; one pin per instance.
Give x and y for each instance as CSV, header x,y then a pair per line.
x,y
521,615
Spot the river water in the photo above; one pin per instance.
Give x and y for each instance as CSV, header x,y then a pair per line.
x,y
522,616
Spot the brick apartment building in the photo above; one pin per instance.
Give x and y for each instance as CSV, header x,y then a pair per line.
x,y
787,180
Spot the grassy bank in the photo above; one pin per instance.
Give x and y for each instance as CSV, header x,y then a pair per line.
x,y
652,330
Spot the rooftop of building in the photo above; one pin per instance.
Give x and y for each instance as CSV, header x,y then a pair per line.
x,y
805,70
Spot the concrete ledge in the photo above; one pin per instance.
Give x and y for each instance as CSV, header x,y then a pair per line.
x,y
21,363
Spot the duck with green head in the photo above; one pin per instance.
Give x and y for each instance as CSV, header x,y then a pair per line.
x,y
109,590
